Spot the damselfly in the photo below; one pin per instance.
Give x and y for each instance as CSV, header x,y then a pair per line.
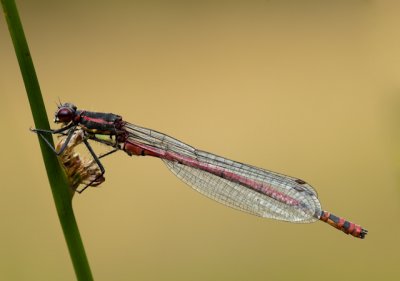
x,y
241,186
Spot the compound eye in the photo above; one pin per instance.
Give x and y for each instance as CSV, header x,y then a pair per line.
x,y
64,115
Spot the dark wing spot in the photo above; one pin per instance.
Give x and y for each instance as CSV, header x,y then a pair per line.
x,y
299,188
299,181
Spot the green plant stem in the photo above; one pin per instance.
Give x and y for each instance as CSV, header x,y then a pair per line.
x,y
58,181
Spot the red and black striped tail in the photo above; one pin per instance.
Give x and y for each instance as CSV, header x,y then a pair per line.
x,y
343,225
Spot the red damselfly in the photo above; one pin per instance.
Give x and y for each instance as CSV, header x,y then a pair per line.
x,y
241,186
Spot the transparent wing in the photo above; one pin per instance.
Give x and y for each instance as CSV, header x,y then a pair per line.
x,y
231,192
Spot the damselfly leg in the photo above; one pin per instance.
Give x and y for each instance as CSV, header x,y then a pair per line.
x,y
69,131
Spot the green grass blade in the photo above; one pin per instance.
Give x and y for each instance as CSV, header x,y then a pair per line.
x,y
59,184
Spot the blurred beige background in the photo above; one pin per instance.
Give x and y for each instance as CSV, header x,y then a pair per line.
x,y
306,88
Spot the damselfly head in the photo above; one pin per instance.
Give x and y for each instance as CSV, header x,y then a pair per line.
x,y
65,113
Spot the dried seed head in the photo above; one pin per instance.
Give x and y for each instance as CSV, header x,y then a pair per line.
x,y
79,169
